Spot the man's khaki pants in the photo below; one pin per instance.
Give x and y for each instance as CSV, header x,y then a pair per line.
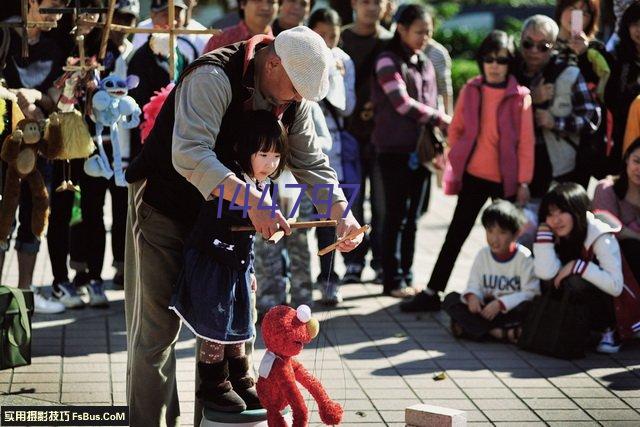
x,y
153,259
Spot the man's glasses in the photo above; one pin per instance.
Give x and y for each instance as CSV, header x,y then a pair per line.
x,y
501,60
541,46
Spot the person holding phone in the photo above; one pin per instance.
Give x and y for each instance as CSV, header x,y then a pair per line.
x,y
577,45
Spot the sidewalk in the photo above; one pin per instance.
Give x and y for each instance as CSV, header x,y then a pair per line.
x,y
370,357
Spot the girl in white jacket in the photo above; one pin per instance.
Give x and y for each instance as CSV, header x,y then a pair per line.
x,y
577,249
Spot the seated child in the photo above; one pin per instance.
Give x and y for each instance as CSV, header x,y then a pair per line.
x,y
213,295
501,282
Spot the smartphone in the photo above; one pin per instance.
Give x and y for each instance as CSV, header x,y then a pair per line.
x,y
576,22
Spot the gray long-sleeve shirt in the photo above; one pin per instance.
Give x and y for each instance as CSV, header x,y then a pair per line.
x,y
201,102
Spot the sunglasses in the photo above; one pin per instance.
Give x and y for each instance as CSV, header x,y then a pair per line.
x,y
542,46
501,60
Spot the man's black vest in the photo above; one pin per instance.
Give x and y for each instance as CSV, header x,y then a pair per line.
x,y
167,190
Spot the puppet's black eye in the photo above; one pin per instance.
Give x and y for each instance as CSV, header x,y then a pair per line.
x,y
109,84
122,84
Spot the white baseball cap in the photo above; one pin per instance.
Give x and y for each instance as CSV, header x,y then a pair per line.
x,y
306,59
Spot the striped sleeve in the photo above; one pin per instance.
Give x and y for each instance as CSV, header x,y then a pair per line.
x,y
389,78
544,236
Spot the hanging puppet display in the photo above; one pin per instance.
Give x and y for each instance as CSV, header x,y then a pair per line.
x,y
76,139
21,150
112,107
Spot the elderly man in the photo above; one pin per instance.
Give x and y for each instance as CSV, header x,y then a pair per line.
x,y
564,107
179,168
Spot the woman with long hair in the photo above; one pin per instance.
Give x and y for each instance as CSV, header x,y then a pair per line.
x,y
577,251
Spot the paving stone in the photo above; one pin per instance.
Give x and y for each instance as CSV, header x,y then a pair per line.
x,y
444,393
76,397
32,378
390,383
486,404
380,393
573,424
521,424
35,368
476,416
46,397
619,423
527,383
574,382
357,405
392,416
602,403
361,417
85,367
563,415
559,403
458,373
465,383
634,402
77,377
510,416
394,404
627,393
73,387
36,387
614,414
490,393
587,392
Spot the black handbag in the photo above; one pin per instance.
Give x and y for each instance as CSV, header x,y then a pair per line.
x,y
556,326
16,310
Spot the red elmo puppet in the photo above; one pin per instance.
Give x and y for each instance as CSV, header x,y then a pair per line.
x,y
285,332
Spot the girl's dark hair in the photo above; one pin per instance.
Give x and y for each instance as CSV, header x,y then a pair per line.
x,y
493,43
621,184
592,6
505,215
405,17
263,132
571,198
626,50
324,15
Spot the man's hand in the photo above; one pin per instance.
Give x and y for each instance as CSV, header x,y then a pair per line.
x,y
473,303
264,224
542,92
491,310
564,272
345,227
544,119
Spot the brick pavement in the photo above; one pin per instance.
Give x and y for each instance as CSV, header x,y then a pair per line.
x,y
370,357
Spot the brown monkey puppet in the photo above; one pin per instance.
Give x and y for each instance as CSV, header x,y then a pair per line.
x,y
20,150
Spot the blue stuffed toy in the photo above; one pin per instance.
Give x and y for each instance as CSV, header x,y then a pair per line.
x,y
112,107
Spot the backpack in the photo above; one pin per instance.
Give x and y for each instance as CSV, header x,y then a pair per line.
x,y
556,325
16,309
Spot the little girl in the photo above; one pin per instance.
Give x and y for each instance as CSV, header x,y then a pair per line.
x,y
577,250
213,294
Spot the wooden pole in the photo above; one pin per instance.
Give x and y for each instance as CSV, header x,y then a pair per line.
x,y
301,224
350,236
107,28
25,42
172,41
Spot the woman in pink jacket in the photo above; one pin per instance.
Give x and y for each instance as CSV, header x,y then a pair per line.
x,y
491,150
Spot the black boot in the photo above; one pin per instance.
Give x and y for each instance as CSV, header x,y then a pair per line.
x,y
243,383
215,390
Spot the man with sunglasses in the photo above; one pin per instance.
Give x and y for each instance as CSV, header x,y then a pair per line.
x,y
563,105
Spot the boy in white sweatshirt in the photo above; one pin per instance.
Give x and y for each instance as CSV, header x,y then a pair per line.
x,y
501,281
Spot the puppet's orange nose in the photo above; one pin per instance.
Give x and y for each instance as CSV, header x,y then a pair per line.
x,y
313,327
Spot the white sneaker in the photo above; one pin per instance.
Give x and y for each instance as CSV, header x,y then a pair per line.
x,y
97,298
43,305
608,343
67,295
